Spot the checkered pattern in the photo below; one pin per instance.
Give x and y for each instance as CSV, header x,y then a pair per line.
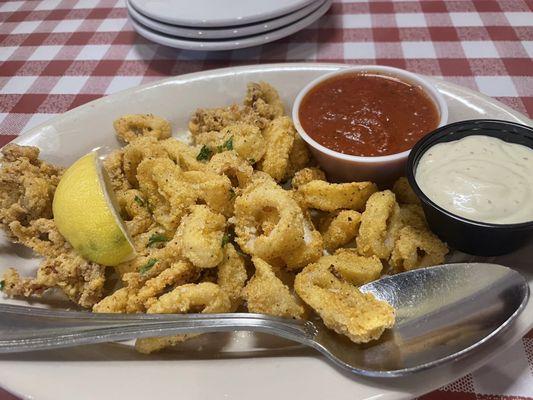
x,y
58,54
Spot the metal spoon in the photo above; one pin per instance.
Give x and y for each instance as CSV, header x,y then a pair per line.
x,y
442,313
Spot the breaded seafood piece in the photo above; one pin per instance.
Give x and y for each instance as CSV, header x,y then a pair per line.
x,y
299,157
133,126
339,228
404,193
182,154
167,194
380,225
279,136
308,252
413,215
212,189
216,119
200,237
265,293
416,248
82,281
114,166
307,175
264,99
335,196
134,211
27,186
231,276
42,236
264,200
352,267
234,167
342,307
152,345
137,151
247,141
204,297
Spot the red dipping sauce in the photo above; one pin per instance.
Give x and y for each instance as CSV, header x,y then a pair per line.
x,y
364,114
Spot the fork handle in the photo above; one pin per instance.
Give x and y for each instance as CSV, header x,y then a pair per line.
x,y
25,328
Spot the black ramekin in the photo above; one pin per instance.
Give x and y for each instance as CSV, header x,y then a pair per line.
x,y
473,237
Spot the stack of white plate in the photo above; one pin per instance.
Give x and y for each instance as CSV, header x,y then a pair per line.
x,y
222,24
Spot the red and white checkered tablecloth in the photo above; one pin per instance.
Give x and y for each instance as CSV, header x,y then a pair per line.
x,y
58,54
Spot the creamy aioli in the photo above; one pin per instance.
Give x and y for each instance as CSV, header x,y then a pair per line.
x,y
481,178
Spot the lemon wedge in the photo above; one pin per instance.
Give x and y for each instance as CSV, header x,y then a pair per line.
x,y
85,213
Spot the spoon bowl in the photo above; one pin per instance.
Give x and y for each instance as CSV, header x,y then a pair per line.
x,y
442,314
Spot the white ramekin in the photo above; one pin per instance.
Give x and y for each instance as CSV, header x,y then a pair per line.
x,y
382,169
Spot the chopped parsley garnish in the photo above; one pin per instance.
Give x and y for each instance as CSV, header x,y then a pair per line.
x,y
156,238
204,154
228,144
225,239
138,200
251,160
2,285
146,267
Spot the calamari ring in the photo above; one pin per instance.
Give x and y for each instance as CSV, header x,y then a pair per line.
x,y
234,167
200,237
380,224
133,126
335,196
342,307
307,175
286,235
339,229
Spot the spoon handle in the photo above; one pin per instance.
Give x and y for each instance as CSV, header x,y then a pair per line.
x,y
29,328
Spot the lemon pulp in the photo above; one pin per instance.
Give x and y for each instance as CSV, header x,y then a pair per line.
x,y
85,213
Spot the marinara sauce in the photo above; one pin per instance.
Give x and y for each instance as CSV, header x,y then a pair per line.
x,y
366,114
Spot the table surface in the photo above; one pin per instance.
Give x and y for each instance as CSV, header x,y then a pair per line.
x,y
58,54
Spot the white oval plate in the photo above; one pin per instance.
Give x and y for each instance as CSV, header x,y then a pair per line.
x,y
263,367
231,44
216,13
222,33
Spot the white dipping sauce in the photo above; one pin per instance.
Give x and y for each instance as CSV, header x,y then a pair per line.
x,y
481,178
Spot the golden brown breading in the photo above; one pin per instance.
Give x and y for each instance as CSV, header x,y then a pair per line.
x,y
279,139
307,175
216,119
261,200
351,267
266,294
342,307
27,186
308,252
182,154
212,189
413,215
416,248
234,167
42,236
168,195
404,193
152,345
380,224
114,166
264,100
339,228
232,276
134,210
299,157
137,151
133,126
200,237
82,281
335,196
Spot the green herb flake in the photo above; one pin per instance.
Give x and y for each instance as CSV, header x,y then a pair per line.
x,y
2,285
156,238
225,239
228,144
138,200
146,267
251,161
204,154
